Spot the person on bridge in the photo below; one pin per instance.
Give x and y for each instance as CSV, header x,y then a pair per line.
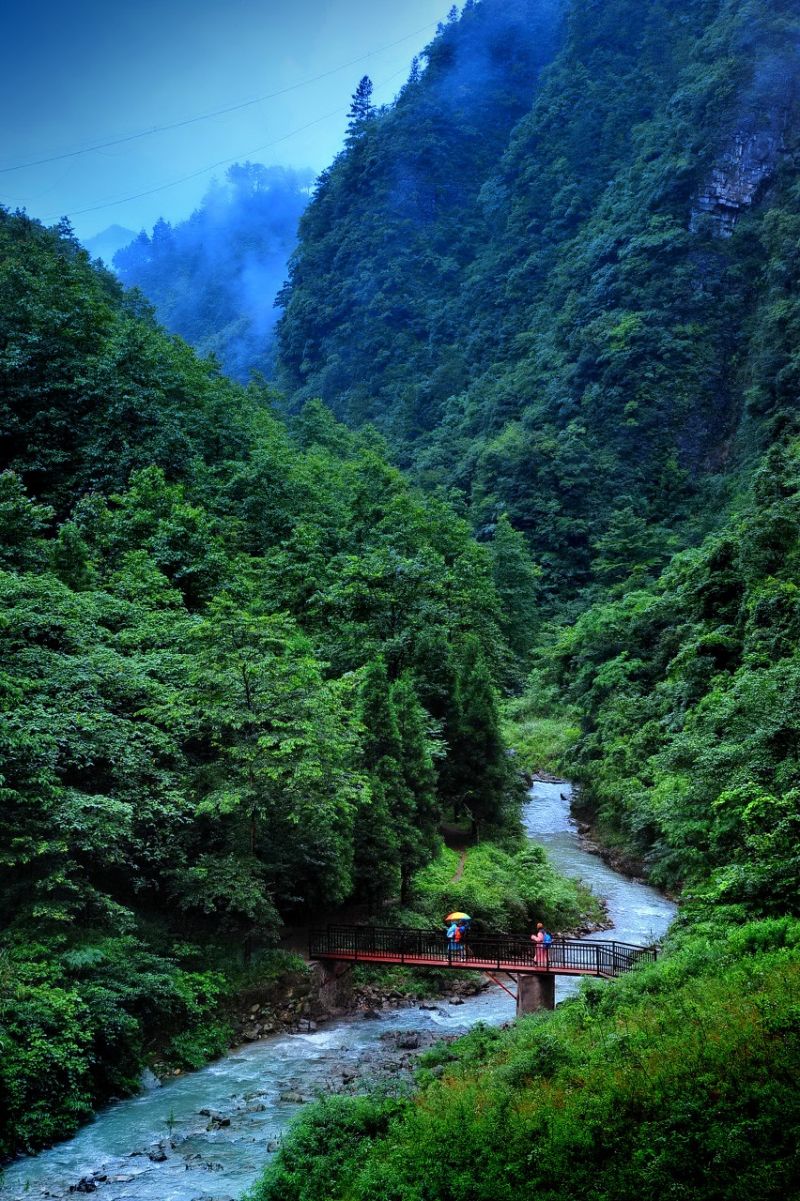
x,y
542,941
451,936
465,924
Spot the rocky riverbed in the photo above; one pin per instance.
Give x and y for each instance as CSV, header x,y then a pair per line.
x,y
206,1135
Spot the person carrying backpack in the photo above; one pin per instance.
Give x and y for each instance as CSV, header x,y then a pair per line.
x,y
542,939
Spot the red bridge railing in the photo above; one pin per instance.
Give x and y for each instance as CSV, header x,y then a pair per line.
x,y
564,956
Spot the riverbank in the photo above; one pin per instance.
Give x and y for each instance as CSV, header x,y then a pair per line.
x,y
658,1085
257,1085
225,1007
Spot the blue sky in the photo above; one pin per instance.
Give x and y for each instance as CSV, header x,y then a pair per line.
x,y
76,74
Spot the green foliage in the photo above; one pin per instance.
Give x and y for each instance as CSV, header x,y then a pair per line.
x,y
501,890
195,1047
573,345
323,1152
541,737
681,1076
687,693
194,601
75,1025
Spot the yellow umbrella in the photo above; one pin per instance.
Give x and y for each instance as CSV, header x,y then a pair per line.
x,y
454,917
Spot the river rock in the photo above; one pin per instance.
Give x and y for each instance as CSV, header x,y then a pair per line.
x,y
408,1042
292,1097
216,1120
456,1001
251,1034
371,1015
87,1184
272,1146
430,1008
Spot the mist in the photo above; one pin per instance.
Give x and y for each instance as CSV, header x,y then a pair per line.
x,y
213,278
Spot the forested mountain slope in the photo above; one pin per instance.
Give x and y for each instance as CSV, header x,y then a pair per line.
x,y
245,671
610,365
213,278
576,313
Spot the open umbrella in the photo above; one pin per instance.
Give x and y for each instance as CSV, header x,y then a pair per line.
x,y
455,917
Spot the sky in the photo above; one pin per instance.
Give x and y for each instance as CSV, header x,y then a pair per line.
x,y
75,75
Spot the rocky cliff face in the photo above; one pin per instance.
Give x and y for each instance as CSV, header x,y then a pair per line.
x,y
754,150
735,180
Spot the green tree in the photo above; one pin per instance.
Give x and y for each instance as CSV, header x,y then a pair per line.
x,y
516,581
418,813
362,110
481,778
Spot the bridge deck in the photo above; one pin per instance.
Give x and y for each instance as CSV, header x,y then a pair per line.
x,y
501,953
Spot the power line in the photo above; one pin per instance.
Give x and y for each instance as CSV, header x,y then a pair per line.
x,y
203,170
232,108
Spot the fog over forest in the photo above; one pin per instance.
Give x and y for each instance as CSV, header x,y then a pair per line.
x,y
213,278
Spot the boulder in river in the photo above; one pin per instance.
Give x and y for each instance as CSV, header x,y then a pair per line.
x,y
216,1120
293,1097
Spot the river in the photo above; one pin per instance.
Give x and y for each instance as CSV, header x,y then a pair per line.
x,y
245,1088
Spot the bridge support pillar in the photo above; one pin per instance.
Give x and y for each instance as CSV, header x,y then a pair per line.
x,y
535,992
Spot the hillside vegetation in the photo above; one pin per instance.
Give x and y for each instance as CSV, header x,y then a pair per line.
x,y
251,656
608,368
246,670
600,353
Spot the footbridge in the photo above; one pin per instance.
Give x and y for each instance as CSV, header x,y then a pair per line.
x,y
534,966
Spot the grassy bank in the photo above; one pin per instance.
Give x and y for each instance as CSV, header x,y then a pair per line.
x,y
541,738
679,1081
502,890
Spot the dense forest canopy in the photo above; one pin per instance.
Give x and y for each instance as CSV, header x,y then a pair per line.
x,y
243,668
545,285
589,335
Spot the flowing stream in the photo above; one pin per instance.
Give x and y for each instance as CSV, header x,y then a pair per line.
x,y
248,1095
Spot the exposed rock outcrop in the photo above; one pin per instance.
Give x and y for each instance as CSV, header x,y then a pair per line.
x,y
754,149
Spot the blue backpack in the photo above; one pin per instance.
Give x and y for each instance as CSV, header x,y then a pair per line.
x,y
548,938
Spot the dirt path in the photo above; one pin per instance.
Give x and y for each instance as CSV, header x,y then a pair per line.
x,y
460,869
